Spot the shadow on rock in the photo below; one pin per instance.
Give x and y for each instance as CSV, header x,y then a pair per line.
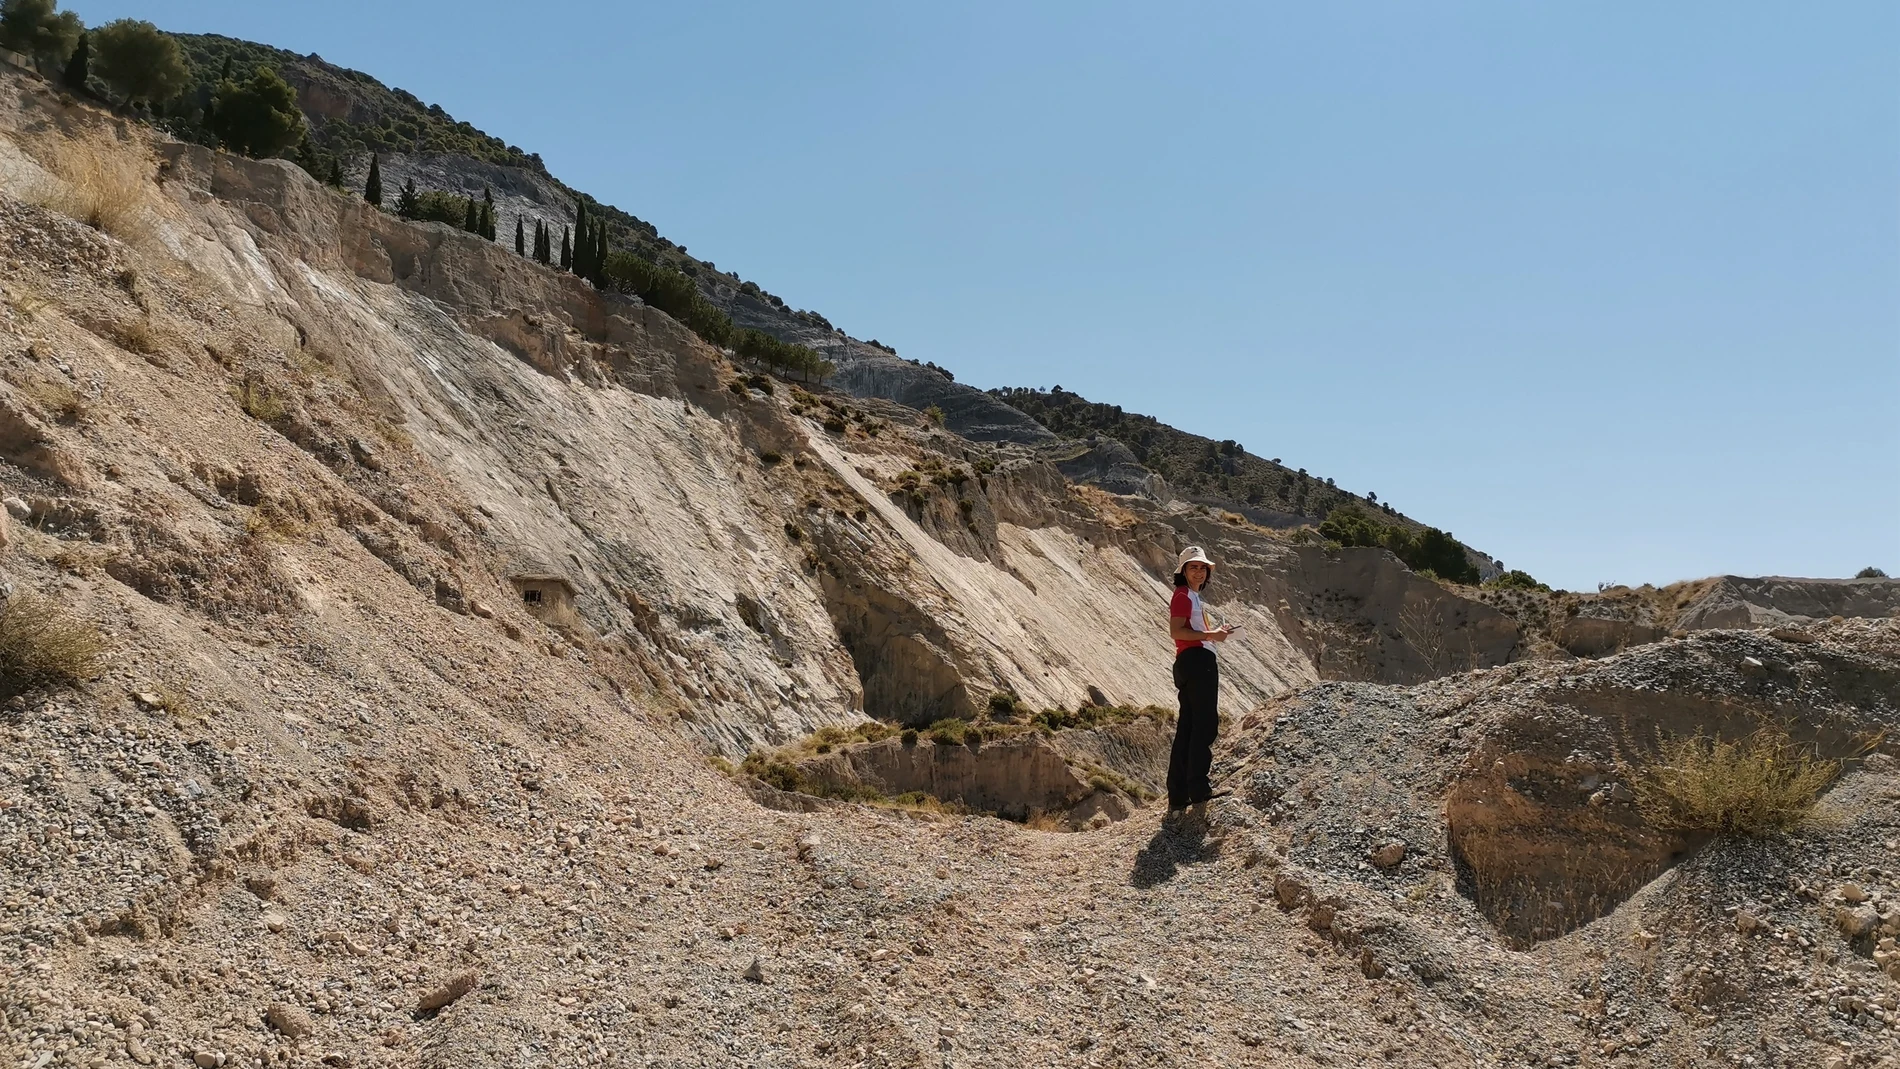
x,y
1179,841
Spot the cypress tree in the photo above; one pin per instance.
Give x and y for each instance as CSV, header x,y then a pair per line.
x,y
79,68
373,189
567,251
521,238
336,172
488,214
581,243
408,203
543,242
471,218
599,259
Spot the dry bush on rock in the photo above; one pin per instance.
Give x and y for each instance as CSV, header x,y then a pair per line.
x,y
103,186
43,645
1757,785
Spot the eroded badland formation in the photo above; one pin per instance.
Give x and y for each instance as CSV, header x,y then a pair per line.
x,y
434,588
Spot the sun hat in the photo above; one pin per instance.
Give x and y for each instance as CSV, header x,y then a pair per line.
x,y
1190,555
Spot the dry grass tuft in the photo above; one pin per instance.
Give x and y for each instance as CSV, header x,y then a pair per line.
x,y
1760,784
43,645
61,402
104,185
259,401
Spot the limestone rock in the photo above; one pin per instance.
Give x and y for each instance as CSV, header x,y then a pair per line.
x,y
291,1020
1387,854
458,985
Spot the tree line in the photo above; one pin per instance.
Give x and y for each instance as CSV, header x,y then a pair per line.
x,y
1430,550
133,65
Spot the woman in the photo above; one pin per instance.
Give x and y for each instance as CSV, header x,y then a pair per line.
x,y
1197,679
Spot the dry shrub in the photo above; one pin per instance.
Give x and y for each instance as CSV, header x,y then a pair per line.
x,y
43,645
1756,785
58,400
104,185
259,400
134,336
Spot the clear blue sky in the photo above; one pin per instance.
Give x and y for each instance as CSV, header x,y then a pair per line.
x,y
1609,290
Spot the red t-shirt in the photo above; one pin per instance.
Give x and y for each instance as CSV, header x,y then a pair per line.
x,y
1187,603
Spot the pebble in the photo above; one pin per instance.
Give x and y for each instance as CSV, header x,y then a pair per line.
x,y
755,972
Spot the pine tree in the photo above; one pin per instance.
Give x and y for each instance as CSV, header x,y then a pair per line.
x,y
521,238
408,202
79,68
373,189
567,251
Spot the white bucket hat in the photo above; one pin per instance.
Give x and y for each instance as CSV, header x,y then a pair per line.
x,y
1190,555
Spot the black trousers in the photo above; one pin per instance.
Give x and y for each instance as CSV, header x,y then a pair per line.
x,y
1197,679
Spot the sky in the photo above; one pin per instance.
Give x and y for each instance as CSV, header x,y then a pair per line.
x,y
1610,291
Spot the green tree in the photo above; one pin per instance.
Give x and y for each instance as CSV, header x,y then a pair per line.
x,y
336,172
521,238
139,62
373,189
79,67
1870,573
408,201
260,117
567,251
34,28
472,218
488,214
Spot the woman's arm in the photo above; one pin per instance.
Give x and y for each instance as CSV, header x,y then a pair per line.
x,y
1179,630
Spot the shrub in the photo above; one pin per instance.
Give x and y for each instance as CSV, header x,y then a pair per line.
x,y
1005,705
1517,580
934,416
43,645
949,731
1757,785
1870,573
776,771
910,736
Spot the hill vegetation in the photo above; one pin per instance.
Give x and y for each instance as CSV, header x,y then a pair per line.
x,y
1198,466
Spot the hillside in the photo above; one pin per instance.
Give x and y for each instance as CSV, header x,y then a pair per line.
x,y
413,656
352,114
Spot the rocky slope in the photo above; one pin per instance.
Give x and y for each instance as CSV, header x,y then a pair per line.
x,y
428,580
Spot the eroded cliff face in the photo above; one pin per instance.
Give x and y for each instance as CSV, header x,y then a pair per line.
x,y
469,418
